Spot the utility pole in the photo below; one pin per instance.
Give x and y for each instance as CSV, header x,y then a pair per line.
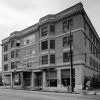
x,y
71,61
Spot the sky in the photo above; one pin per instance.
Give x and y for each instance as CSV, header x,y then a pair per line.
x,y
16,15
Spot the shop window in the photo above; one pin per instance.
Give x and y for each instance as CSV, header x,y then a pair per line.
x,y
44,45
44,31
52,29
5,48
17,79
51,78
13,54
52,44
5,57
66,57
5,67
65,77
45,59
52,59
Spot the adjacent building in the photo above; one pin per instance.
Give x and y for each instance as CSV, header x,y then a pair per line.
x,y
38,57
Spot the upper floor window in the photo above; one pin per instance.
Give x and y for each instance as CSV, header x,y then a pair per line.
x,y
12,54
13,65
17,53
5,67
44,31
45,59
52,29
52,59
66,40
5,57
17,64
52,44
67,24
66,57
12,43
18,43
5,48
44,45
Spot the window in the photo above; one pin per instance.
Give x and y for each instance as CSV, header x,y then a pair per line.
x,y
85,24
18,43
66,40
44,45
65,77
66,57
91,63
67,24
12,54
85,42
17,53
12,43
52,29
51,78
13,65
5,57
44,31
45,59
17,64
5,67
5,48
52,59
52,44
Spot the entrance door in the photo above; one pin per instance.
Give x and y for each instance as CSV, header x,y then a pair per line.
x,y
38,79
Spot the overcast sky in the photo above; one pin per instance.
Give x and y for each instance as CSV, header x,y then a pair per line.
x,y
15,15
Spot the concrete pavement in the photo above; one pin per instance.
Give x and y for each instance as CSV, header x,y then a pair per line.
x,y
9,94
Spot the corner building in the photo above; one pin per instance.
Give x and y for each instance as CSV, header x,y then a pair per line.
x,y
38,57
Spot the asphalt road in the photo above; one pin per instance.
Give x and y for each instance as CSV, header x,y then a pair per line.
x,y
8,94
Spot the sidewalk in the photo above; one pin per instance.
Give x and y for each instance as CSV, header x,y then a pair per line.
x,y
89,92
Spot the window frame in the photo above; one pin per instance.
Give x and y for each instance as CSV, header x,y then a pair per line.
x,y
44,31
44,45
44,59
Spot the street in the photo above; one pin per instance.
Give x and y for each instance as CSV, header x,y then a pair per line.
x,y
8,94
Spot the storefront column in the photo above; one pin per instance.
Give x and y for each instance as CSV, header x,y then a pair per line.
x,y
44,79
79,77
22,79
33,80
11,80
59,78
